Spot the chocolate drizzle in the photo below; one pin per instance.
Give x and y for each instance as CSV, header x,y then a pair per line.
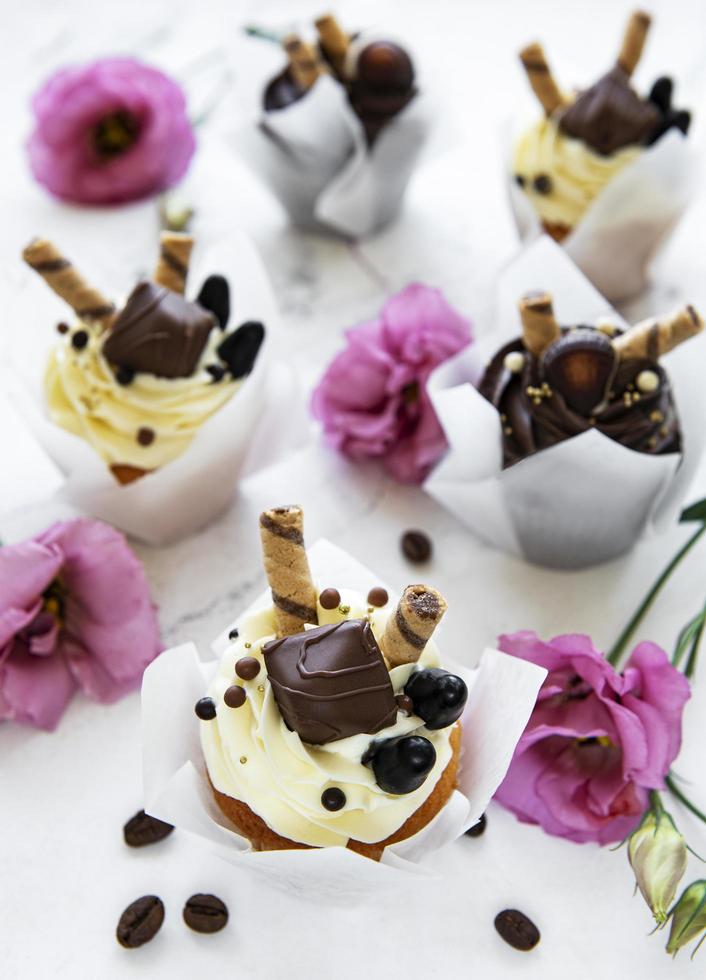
x,y
159,332
331,682
610,115
535,420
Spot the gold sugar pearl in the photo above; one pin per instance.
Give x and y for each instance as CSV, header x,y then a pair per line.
x,y
656,416
261,688
344,610
243,760
247,645
507,430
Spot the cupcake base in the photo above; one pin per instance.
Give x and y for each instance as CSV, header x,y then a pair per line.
x,y
557,231
125,474
263,838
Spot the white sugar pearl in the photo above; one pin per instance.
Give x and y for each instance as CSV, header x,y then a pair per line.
x,y
647,382
514,361
606,325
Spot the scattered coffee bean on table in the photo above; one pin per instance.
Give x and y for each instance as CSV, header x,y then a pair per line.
x,y
140,922
205,913
478,828
142,829
416,546
516,929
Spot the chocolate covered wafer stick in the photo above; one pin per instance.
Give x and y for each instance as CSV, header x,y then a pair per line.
x,y
66,281
634,41
652,338
540,78
333,39
173,262
287,569
410,627
304,63
539,327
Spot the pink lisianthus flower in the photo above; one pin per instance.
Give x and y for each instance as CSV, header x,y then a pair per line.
x,y
597,742
75,612
373,400
108,132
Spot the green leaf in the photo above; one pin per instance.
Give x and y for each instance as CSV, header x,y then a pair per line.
x,y
694,512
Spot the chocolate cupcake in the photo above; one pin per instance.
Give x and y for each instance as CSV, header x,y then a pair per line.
x,y
556,382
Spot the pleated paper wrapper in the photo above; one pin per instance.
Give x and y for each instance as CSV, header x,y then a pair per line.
x,y
314,158
502,693
585,500
263,420
631,219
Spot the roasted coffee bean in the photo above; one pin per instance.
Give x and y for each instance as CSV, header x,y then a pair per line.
x,y
215,296
205,913
140,922
478,829
142,829
516,929
416,546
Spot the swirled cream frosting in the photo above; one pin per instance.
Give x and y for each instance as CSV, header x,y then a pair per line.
x,y
562,176
252,756
84,397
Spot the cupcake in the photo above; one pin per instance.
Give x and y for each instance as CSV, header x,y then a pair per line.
x,y
330,721
566,159
570,441
138,381
341,129
555,382
377,75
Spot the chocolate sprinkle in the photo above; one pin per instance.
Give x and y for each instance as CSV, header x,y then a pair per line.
x,y
378,597
330,598
247,668
79,339
124,375
542,183
145,436
405,703
217,371
205,709
234,633
333,799
235,696
240,348
62,327
215,297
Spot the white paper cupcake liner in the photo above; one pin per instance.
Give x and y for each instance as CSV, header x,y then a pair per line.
x,y
585,500
263,420
314,158
630,220
502,693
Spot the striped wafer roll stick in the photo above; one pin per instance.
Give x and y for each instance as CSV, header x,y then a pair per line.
x,y
541,78
287,569
66,281
333,40
305,64
652,338
410,627
173,262
634,40
539,327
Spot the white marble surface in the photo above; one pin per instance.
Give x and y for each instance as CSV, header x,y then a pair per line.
x,y
66,873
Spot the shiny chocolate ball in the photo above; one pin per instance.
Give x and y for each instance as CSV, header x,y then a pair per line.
x,y
401,764
384,65
438,696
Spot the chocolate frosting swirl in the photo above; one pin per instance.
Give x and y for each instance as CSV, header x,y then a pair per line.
x,y
159,332
610,115
532,422
331,682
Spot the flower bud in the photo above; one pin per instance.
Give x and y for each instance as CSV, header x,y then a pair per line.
x,y
688,917
657,854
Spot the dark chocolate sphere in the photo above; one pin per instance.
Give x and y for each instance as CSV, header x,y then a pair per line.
x,y
401,764
438,696
384,65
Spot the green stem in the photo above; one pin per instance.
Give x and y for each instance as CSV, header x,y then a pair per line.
x,y
695,647
674,789
656,802
624,638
